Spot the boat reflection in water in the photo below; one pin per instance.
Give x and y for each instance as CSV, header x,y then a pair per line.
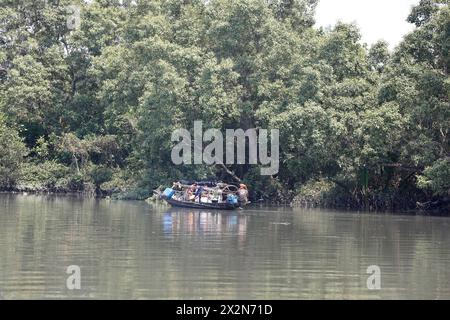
x,y
181,222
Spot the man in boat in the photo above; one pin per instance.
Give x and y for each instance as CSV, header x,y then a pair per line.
x,y
177,186
198,193
190,192
243,194
216,196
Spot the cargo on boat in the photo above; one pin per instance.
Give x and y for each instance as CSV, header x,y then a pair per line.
x,y
207,195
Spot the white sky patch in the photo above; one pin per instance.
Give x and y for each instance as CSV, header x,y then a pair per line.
x,y
377,19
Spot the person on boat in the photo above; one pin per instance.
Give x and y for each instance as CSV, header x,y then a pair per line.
x,y
198,193
216,195
177,186
243,193
190,192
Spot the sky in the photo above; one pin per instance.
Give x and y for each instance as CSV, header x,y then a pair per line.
x,y
377,19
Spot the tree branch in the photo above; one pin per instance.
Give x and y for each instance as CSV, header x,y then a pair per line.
x,y
231,173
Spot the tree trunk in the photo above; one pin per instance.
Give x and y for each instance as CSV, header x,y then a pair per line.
x,y
76,163
231,173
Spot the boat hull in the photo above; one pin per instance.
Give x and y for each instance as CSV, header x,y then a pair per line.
x,y
196,205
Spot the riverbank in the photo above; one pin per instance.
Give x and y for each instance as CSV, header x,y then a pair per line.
x,y
51,177
325,194
302,201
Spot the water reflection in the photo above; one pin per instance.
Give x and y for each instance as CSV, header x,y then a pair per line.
x,y
200,223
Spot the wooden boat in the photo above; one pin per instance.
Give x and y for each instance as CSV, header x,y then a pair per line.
x,y
225,196
201,205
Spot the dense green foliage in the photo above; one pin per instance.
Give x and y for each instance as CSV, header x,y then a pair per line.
x,y
12,152
96,105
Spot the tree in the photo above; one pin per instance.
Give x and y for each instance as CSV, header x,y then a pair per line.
x,y
379,55
437,178
12,153
298,13
370,126
423,12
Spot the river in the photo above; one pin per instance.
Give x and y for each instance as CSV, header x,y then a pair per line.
x,y
136,250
